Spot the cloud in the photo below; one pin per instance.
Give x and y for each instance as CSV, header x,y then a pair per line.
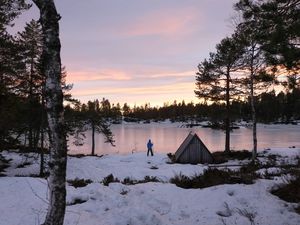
x,y
162,22
154,94
149,90
173,74
94,75
131,75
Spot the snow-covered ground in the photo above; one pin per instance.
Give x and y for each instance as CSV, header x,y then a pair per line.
x,y
23,199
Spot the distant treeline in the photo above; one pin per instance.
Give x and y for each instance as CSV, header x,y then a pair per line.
x,y
271,107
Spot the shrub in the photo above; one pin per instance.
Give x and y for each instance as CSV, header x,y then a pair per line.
x,y
222,157
153,167
76,201
109,179
212,177
149,179
22,165
171,157
290,191
4,163
79,182
129,181
124,192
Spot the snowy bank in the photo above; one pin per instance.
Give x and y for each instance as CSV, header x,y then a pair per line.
x,y
23,200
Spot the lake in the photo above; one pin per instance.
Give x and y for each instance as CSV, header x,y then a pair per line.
x,y
167,137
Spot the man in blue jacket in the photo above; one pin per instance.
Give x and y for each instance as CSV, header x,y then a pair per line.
x,y
149,146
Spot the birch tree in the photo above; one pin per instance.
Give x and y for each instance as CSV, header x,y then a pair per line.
x,y
51,64
254,75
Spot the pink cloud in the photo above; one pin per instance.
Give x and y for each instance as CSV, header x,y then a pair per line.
x,y
172,74
157,95
166,23
90,75
150,90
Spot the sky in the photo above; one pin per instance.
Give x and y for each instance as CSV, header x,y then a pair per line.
x,y
137,51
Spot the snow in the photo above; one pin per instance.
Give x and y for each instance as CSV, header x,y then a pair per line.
x,y
23,200
290,152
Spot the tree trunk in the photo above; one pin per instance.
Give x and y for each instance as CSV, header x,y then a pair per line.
x,y
227,119
93,139
30,137
36,139
42,153
55,112
42,136
253,111
30,122
254,133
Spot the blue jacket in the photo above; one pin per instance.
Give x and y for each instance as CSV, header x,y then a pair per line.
x,y
149,145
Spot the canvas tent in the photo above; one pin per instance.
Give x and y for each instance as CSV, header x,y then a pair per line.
x,y
193,151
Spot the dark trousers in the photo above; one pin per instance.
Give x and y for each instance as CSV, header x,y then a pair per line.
x,y
150,150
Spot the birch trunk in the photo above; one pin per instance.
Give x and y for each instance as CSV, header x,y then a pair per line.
x,y
54,106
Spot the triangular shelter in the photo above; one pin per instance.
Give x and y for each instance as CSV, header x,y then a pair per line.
x,y
192,150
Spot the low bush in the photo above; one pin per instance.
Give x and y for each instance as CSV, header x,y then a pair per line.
x,y
22,165
109,179
147,179
290,190
212,177
222,157
171,157
77,183
154,168
4,163
76,201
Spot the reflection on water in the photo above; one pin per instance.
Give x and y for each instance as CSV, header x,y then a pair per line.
x,y
168,137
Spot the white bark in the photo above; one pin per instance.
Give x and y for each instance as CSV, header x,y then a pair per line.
x,y
54,105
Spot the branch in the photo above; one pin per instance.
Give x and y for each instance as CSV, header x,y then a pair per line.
x,y
39,3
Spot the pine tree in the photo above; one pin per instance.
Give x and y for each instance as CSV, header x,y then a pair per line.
x,y
214,80
96,117
32,80
11,66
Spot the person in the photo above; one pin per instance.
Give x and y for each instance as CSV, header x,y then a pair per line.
x,y
149,146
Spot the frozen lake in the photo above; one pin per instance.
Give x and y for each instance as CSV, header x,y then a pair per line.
x,y
167,137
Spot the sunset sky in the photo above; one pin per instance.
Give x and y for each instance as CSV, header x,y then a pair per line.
x,y
138,51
